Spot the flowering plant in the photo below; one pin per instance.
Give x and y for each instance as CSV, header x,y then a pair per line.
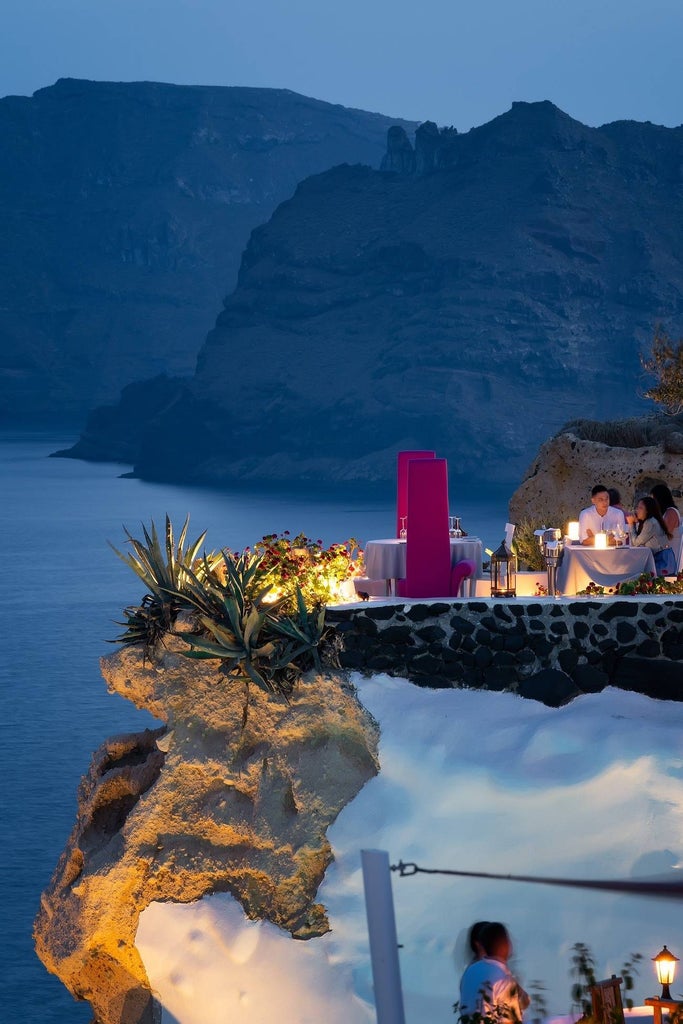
x,y
288,562
646,583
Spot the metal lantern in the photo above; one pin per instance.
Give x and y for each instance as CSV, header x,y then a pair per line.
x,y
665,964
503,572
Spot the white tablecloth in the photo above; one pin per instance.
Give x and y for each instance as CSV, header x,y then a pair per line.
x,y
606,567
386,559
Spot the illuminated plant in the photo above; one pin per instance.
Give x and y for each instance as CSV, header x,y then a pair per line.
x,y
665,364
299,562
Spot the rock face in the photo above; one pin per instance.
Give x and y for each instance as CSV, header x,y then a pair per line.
x,y
567,466
125,208
502,285
219,808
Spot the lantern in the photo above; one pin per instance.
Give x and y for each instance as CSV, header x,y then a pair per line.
x,y
665,964
503,572
573,530
601,540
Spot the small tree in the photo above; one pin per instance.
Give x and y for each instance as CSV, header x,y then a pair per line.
x,y
665,364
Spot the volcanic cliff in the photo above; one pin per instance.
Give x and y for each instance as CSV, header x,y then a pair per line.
x,y
476,294
124,209
218,801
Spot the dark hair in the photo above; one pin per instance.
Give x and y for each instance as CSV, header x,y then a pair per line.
x,y
474,936
598,489
652,509
663,497
491,935
614,496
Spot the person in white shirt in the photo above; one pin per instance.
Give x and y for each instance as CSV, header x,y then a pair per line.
x,y
599,516
488,987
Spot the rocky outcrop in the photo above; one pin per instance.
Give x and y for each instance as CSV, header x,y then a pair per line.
x,y
125,209
567,466
229,796
472,308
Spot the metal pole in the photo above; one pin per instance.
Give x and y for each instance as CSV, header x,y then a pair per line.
x,y
379,907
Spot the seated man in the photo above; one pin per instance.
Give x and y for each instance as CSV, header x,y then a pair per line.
x,y
599,516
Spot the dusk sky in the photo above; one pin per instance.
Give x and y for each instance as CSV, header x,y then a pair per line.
x,y
450,61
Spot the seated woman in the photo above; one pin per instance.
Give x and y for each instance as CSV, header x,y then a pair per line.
x,y
649,530
488,988
670,513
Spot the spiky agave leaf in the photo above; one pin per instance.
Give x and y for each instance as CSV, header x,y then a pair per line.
x,y
164,569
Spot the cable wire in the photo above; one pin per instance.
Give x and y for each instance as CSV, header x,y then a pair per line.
x,y
669,888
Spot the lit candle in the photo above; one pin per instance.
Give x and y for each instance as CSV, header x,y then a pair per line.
x,y
573,530
601,539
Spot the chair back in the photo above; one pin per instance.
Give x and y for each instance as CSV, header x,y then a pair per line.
x,y
606,1000
428,549
403,459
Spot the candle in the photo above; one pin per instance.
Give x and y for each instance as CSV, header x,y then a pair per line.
x,y
573,530
601,539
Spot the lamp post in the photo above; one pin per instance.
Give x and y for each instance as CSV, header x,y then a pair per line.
x,y
665,965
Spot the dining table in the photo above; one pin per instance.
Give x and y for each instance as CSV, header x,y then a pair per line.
x,y
386,559
607,567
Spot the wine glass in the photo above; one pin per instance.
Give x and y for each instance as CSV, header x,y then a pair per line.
x,y
403,532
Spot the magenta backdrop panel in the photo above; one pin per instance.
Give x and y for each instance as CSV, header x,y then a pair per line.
x,y
428,551
402,483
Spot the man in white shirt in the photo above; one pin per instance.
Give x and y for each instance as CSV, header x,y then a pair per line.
x,y
599,516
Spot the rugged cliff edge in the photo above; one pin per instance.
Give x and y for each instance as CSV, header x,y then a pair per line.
x,y
473,298
203,805
631,455
125,208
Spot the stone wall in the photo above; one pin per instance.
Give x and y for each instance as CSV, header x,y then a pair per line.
x,y
543,649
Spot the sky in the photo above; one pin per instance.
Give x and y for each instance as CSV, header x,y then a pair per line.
x,y
590,790
454,62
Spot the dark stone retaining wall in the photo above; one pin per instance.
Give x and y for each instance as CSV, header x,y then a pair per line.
x,y
542,649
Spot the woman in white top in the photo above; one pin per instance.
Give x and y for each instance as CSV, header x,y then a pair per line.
x,y
649,530
488,986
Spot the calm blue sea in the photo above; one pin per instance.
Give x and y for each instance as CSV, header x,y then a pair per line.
x,y
62,590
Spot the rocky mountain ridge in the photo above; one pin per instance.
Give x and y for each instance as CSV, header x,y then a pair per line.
x,y
471,301
124,210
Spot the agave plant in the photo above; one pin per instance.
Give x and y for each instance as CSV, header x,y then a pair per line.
x,y
168,571
165,570
238,622
304,631
146,623
251,636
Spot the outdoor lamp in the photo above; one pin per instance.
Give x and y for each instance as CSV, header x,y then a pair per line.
x,y
665,964
503,572
573,530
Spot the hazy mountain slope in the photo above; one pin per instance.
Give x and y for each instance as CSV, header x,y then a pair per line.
x,y
473,309
124,210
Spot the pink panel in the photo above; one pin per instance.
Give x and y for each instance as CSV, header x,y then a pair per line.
x,y
402,483
428,552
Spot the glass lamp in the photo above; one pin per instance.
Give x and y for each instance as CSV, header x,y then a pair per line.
x,y
503,572
573,530
665,965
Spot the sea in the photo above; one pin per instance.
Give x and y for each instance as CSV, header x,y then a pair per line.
x,y
63,590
